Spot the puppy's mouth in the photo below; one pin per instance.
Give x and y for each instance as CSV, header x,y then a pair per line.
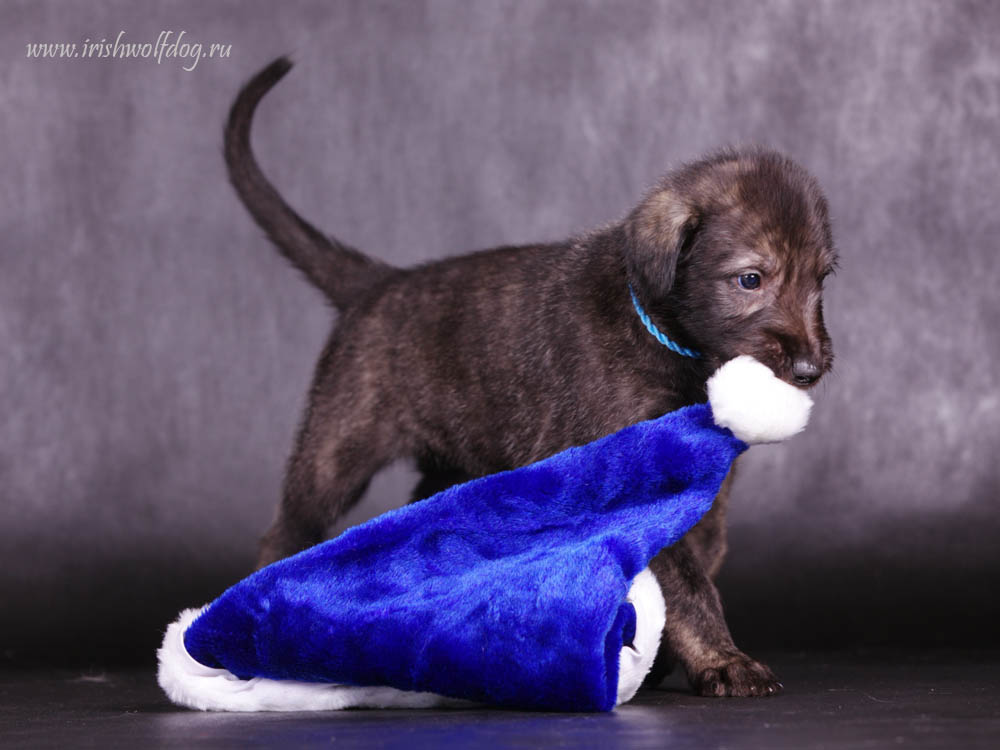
x,y
803,373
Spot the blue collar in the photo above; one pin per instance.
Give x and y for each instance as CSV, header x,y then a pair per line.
x,y
657,333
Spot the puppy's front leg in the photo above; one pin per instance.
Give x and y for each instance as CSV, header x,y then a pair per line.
x,y
696,633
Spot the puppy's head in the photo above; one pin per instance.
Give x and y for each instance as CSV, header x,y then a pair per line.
x,y
729,255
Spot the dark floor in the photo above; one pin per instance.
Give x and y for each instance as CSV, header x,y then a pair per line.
x,y
844,700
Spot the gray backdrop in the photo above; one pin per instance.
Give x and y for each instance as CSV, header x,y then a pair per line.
x,y
155,351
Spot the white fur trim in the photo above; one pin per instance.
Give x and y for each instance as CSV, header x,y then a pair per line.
x,y
190,683
750,400
636,660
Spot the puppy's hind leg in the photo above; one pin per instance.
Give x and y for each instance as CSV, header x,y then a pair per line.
x,y
436,476
340,446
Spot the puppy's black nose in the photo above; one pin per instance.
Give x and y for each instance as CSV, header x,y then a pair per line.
x,y
805,372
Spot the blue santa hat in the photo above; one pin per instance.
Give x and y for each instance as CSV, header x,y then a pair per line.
x,y
526,589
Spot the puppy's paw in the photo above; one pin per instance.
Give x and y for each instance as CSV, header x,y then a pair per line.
x,y
741,677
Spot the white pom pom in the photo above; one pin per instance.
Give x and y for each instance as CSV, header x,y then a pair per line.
x,y
750,400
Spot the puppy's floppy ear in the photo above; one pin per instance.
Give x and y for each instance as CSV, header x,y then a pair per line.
x,y
657,232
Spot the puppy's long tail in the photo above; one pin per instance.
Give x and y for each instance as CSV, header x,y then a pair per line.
x,y
340,271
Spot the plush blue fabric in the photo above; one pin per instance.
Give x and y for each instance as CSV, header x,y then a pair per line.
x,y
508,590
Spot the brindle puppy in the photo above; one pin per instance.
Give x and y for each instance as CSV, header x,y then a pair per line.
x,y
485,362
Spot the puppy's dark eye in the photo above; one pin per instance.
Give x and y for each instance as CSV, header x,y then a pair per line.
x,y
749,280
